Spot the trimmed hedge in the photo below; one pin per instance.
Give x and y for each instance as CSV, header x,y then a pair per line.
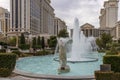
x,y
43,52
116,76
103,75
17,52
2,50
7,64
4,72
107,75
24,46
114,60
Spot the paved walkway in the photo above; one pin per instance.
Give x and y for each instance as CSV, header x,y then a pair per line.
x,y
20,78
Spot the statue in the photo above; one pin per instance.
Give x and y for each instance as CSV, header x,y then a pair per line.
x,y
62,55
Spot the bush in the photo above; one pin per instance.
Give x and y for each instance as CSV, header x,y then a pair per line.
x,y
103,75
2,50
111,53
7,63
24,46
44,52
13,48
17,52
4,72
37,47
114,60
116,76
107,75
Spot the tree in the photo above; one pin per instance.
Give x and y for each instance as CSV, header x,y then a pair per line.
x,y
52,41
38,44
63,33
12,41
43,43
104,40
99,43
22,39
38,41
34,42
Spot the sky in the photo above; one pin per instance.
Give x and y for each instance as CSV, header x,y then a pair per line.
x,y
87,11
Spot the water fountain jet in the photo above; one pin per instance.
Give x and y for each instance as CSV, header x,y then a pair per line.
x,y
81,46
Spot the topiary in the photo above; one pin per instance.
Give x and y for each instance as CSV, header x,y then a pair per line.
x,y
7,63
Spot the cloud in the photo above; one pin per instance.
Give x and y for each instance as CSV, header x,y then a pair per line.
x,y
67,10
5,4
87,11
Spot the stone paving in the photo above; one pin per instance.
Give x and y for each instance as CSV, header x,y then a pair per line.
x,y
20,78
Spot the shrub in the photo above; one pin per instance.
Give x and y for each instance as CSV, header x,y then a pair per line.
x,y
103,75
24,46
2,50
116,76
111,53
4,72
7,63
17,52
43,52
13,48
37,47
114,60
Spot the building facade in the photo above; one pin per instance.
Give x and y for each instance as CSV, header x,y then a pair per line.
x,y
32,16
89,30
4,21
116,31
59,25
109,14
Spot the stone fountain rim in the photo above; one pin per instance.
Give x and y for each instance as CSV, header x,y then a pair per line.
x,y
60,77
92,60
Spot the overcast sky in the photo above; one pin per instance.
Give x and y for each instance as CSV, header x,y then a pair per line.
x,y
87,11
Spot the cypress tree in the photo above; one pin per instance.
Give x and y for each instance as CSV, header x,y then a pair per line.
x,y
22,39
43,43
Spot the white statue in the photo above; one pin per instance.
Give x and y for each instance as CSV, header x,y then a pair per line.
x,y
62,55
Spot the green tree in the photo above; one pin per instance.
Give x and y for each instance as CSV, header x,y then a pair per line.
x,y
38,45
43,43
22,39
99,43
52,41
63,33
34,42
12,41
38,41
104,40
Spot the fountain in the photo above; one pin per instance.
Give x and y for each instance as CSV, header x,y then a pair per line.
x,y
82,47
77,53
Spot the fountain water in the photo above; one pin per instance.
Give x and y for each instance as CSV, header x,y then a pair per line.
x,y
78,49
81,46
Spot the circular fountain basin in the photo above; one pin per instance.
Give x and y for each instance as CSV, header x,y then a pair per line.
x,y
45,65
80,60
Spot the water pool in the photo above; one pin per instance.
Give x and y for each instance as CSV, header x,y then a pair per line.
x,y
47,66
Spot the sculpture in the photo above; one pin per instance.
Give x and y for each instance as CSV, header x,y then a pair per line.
x,y
62,55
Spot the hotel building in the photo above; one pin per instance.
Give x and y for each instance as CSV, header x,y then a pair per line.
x,y
109,14
59,25
4,21
32,16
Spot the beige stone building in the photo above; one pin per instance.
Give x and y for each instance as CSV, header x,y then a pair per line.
x,y
109,14
116,31
33,16
4,21
89,30
109,18
59,25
